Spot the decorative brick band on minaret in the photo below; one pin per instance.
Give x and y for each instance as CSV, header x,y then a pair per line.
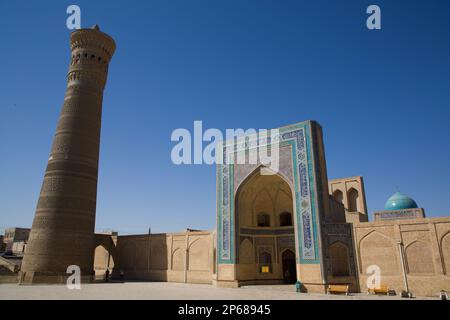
x,y
63,228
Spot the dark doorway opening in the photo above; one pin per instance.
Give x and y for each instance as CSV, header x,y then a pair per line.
x,y
289,267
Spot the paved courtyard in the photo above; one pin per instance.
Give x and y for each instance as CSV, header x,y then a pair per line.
x,y
168,291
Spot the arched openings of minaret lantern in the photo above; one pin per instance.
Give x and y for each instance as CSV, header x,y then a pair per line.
x,y
353,197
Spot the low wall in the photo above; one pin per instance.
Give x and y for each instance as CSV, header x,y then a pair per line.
x,y
425,246
176,257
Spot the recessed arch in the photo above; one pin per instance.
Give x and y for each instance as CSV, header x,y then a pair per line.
x,y
265,257
338,196
375,248
192,243
257,171
339,259
246,252
445,252
178,259
259,201
198,255
288,264
103,261
419,257
353,199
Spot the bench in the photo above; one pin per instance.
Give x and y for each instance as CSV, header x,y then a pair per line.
x,y
338,288
382,289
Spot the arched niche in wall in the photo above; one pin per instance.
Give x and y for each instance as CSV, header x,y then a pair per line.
x,y
353,197
339,259
419,258
377,249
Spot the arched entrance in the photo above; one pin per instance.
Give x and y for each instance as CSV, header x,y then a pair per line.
x,y
289,266
265,229
103,260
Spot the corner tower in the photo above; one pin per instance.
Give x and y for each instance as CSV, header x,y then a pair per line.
x,y
63,228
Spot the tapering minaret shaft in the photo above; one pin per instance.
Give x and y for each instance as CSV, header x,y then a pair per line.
x,y
63,228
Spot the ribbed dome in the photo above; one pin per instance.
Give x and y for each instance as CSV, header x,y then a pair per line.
x,y
399,201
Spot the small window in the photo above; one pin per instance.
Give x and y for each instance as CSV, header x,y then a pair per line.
x,y
263,220
265,262
285,219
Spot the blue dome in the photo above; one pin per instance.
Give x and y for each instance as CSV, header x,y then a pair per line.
x,y
399,201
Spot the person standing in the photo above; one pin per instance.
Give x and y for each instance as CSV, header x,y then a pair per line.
x,y
107,275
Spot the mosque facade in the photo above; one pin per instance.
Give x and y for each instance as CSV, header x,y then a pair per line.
x,y
292,225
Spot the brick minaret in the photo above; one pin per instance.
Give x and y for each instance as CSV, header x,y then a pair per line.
x,y
63,228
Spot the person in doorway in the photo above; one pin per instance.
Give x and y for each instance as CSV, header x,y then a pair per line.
x,y
287,276
107,275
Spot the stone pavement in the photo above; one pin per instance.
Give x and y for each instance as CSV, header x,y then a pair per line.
x,y
169,291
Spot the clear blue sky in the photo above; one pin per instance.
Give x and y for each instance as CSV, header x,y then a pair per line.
x,y
382,97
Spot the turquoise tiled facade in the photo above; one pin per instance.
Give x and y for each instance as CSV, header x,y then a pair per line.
x,y
298,136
